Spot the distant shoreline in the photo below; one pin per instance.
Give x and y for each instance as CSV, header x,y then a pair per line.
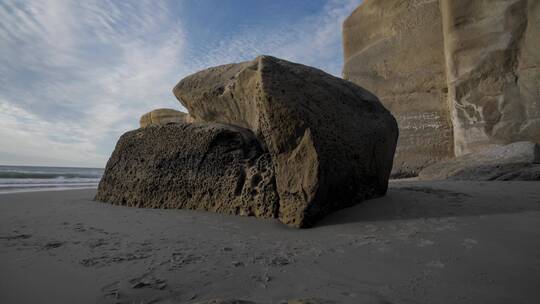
x,y
53,167
17,179
27,190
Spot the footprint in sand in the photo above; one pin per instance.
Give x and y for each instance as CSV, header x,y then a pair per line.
x,y
435,264
16,237
469,243
425,243
53,245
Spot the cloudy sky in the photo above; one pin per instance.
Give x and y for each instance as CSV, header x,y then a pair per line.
x,y
75,75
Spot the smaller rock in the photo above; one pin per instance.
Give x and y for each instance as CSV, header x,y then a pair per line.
x,y
213,167
523,151
159,117
516,161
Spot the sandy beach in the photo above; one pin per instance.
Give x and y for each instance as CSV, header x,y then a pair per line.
x,y
425,242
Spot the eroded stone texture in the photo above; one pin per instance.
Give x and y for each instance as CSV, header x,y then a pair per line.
x,y
395,49
460,76
331,142
160,117
193,166
493,66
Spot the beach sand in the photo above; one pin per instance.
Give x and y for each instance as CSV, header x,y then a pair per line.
x,y
425,242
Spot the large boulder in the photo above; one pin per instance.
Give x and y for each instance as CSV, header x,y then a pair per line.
x,y
459,75
331,142
194,166
394,48
516,161
159,117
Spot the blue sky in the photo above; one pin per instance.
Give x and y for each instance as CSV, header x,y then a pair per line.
x,y
75,75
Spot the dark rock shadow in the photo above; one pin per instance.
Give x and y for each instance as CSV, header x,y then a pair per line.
x,y
413,201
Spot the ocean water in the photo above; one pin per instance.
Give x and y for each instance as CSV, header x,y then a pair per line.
x,y
27,178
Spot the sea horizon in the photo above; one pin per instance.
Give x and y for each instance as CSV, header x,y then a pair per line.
x,y
23,178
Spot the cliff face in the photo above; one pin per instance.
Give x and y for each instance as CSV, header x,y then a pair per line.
x,y
458,75
493,71
395,49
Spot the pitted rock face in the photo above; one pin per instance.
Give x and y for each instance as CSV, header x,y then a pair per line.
x,y
159,117
331,142
192,166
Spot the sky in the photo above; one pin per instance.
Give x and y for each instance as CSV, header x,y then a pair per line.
x,y
75,75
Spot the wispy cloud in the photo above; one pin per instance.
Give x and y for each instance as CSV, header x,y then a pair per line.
x,y
79,73
74,75
313,40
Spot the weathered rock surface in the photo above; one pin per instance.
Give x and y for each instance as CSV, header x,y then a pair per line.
x,y
159,117
331,142
459,75
516,161
395,49
493,67
194,166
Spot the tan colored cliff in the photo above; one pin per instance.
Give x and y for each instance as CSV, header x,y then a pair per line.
x,y
458,75
493,71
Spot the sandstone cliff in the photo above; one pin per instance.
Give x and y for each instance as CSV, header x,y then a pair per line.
x,y
394,48
493,71
459,75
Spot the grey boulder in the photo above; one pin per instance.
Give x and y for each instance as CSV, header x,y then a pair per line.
x,y
191,166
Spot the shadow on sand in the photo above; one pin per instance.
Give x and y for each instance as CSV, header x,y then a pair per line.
x,y
434,200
